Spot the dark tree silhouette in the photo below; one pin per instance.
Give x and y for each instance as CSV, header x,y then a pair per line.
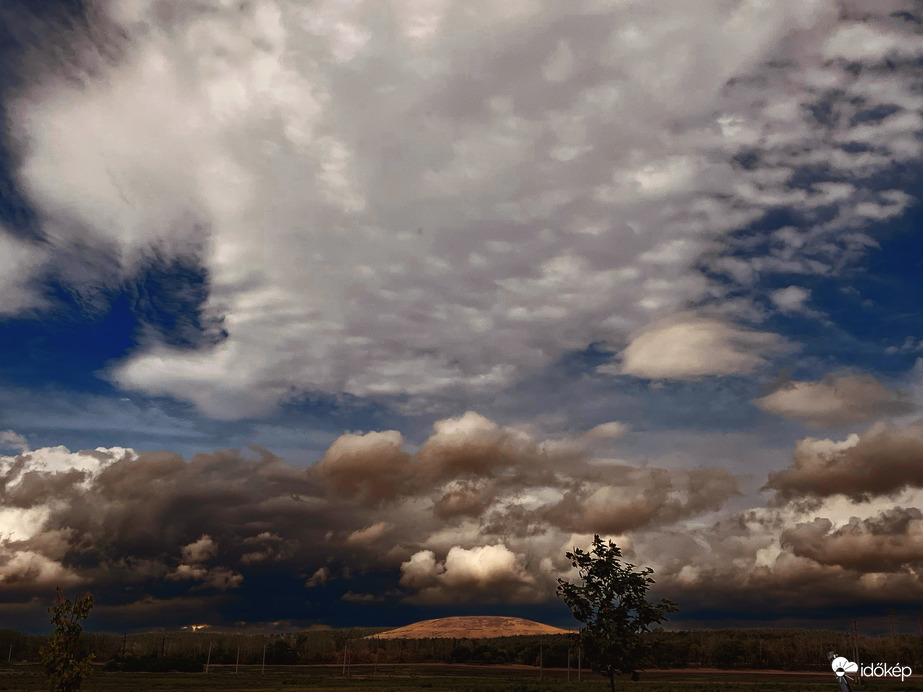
x,y
64,662
612,604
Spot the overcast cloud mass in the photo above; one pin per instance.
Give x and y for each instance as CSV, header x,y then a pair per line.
x,y
336,312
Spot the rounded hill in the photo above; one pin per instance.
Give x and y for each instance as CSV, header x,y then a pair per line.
x,y
471,627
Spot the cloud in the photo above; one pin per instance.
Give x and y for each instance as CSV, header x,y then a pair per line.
x,y
112,517
560,64
644,497
890,541
490,132
269,548
491,501
479,515
13,440
201,550
789,559
421,569
20,263
860,42
489,573
790,298
32,553
319,578
836,400
688,347
880,461
23,569
472,468
369,534
30,480
218,578
612,430
373,466
351,597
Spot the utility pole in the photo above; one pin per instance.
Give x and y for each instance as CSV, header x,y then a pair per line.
x,y
237,667
541,661
854,631
263,670
10,657
579,662
568,664
209,659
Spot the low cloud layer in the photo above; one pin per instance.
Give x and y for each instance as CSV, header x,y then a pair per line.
x,y
479,514
889,541
880,461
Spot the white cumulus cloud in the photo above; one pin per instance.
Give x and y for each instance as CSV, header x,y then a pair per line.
x,y
689,347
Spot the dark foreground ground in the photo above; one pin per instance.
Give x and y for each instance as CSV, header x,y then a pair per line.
x,y
443,678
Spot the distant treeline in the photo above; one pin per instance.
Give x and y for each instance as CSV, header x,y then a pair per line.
x,y
740,648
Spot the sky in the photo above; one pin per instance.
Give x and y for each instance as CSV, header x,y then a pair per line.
x,y
344,313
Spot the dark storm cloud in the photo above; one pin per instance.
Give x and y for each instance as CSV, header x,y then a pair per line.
x,y
451,522
471,468
882,460
655,496
888,542
761,570
478,514
465,501
155,504
140,519
466,462
372,468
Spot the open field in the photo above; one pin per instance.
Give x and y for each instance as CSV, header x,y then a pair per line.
x,y
441,678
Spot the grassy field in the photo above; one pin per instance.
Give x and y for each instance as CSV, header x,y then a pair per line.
x,y
438,678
